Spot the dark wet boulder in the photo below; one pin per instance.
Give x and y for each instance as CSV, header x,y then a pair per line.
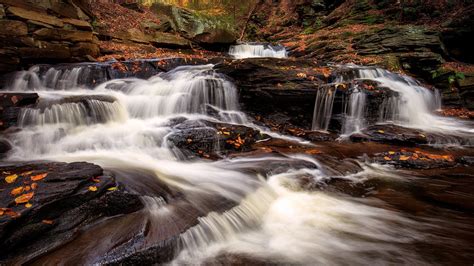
x,y
391,134
415,159
268,86
45,204
5,147
208,139
10,105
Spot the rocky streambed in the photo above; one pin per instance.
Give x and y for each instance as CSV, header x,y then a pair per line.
x,y
223,161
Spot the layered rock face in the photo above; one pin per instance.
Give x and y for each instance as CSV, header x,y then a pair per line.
x,y
32,32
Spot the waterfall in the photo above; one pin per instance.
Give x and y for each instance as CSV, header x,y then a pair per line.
x,y
355,112
250,204
257,50
412,105
323,108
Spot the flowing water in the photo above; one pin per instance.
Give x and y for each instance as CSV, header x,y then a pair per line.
x,y
257,50
252,205
413,105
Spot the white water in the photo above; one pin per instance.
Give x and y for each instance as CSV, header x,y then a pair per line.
x,y
323,108
257,50
274,218
414,106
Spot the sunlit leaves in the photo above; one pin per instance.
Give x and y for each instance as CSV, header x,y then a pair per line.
x,y
24,198
38,177
11,178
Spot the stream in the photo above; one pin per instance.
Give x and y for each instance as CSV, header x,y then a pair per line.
x,y
286,207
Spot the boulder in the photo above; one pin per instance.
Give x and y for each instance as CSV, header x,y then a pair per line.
x,y
391,134
2,11
10,104
82,49
35,16
13,28
416,160
45,204
63,35
162,39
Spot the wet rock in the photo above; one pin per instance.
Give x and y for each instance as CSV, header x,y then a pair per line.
x,y
9,60
5,147
48,51
456,34
209,139
416,160
268,86
10,104
59,200
391,134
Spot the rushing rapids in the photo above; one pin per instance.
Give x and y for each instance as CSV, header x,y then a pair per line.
x,y
250,50
253,205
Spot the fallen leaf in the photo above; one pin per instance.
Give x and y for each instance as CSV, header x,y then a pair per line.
x,y
11,178
24,198
26,173
34,185
27,188
386,158
38,177
313,151
47,221
381,131
28,205
404,158
391,152
17,191
92,188
112,188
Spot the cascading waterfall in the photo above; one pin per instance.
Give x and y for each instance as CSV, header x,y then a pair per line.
x,y
257,50
413,105
323,108
356,112
272,218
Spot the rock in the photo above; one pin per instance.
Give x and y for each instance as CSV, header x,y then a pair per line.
x,y
268,86
416,160
136,35
63,35
208,139
83,49
391,134
36,16
2,11
9,60
5,147
162,39
12,28
456,35
65,199
80,24
10,104
47,51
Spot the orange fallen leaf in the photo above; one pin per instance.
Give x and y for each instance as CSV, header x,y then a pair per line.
x,y
38,177
11,178
28,205
17,191
404,158
34,185
24,198
47,221
92,188
27,188
313,151
386,158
